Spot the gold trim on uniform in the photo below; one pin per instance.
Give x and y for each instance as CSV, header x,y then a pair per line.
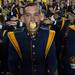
x,y
63,22
4,32
14,42
49,42
72,27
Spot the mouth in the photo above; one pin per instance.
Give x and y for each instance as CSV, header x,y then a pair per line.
x,y
33,26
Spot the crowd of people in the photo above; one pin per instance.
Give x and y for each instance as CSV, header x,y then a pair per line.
x,y
37,38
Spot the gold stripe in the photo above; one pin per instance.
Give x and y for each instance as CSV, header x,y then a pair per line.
x,y
63,22
17,15
0,2
72,27
14,42
17,10
46,6
4,32
49,42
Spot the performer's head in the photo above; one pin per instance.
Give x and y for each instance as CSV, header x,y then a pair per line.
x,y
32,16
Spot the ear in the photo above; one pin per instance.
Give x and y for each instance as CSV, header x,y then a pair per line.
x,y
42,16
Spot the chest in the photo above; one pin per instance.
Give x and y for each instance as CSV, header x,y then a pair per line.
x,y
33,47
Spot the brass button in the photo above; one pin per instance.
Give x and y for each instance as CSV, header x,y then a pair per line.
x,y
33,53
33,36
34,39
33,46
8,73
48,71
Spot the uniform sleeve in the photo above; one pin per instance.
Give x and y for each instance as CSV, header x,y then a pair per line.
x,y
12,58
4,54
51,61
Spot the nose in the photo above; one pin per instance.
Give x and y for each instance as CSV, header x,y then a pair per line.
x,y
32,19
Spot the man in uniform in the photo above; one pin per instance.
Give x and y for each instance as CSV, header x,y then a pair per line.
x,y
31,51
68,54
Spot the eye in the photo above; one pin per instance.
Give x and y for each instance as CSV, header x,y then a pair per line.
x,y
27,15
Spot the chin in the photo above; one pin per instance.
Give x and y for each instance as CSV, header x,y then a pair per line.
x,y
33,30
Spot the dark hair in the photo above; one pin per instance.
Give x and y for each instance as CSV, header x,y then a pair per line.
x,y
1,18
30,4
33,4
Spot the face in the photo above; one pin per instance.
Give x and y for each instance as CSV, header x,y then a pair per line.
x,y
32,14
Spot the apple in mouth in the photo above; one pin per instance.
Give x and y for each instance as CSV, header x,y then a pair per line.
x,y
33,25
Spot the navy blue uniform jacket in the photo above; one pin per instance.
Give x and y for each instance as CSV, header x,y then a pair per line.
x,y
31,55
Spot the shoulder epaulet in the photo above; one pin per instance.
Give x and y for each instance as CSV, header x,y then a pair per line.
x,y
44,28
49,41
72,27
14,42
19,30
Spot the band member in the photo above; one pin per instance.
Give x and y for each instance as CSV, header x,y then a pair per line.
x,y
31,51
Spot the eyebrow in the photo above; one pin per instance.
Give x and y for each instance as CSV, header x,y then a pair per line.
x,y
34,13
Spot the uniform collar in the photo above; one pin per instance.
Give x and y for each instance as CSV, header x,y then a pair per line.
x,y
28,33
